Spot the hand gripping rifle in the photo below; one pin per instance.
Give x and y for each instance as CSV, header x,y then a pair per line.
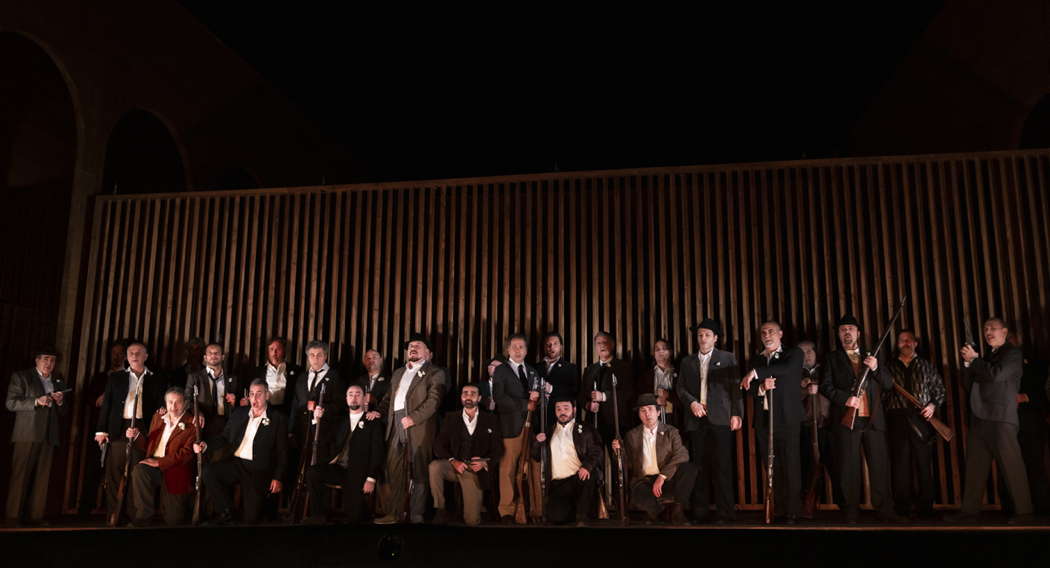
x,y
621,476
306,459
200,459
850,416
122,489
942,429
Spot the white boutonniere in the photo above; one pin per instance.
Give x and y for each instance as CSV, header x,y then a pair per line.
x,y
718,363
265,421
661,432
182,425
422,374
489,429
361,425
579,428
380,379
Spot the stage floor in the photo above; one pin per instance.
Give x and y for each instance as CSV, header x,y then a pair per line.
x,y
745,543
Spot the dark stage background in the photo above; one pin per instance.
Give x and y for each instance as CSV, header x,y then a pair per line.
x,y
642,253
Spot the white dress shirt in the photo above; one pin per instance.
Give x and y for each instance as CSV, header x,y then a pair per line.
x,y
564,461
649,465
131,408
244,451
220,390
169,425
471,423
705,363
49,386
277,382
406,383
314,376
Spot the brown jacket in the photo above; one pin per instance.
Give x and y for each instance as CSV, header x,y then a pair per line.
x,y
178,453
669,452
421,404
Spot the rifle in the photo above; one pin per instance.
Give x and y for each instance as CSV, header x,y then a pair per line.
x,y
816,472
122,489
770,459
621,478
603,509
406,507
522,470
200,459
850,416
942,429
297,508
543,453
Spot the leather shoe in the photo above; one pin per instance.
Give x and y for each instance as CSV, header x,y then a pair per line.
x,y
386,520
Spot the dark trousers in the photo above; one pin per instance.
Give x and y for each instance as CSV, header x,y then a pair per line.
x,y
787,467
846,445
353,496
145,481
677,489
219,479
994,440
116,457
806,456
570,499
711,451
397,470
910,455
30,475
1032,438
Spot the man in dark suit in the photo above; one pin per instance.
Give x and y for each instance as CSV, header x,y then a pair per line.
x,y
843,371
410,409
373,382
514,388
217,392
465,451
280,375
252,452
561,375
351,455
37,397
132,396
308,392
776,374
169,447
993,381
574,460
658,468
707,387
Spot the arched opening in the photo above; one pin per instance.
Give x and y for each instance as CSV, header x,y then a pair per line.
x,y
236,178
38,145
1036,132
141,157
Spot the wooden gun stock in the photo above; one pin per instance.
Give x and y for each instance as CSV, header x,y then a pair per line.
x,y
200,462
522,471
942,429
122,489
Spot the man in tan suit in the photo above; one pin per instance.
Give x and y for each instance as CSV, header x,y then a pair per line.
x,y
410,409
658,468
169,451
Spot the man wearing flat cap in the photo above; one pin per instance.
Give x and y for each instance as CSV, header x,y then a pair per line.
x,y
658,468
410,408
843,371
707,387
37,397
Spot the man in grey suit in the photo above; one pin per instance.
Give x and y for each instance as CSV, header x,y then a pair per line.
x,y
713,407
993,381
410,408
37,397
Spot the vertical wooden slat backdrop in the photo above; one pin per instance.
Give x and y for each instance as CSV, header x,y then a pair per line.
x,y
641,253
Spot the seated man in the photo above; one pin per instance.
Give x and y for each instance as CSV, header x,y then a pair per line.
x,y
466,451
170,450
658,468
351,454
259,442
574,458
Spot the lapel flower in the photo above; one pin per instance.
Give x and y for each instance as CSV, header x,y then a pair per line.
x,y
380,379
360,424
579,428
422,374
489,429
182,425
718,363
265,421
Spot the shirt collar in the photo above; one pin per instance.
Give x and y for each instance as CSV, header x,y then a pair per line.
x,y
212,373
145,371
568,425
321,370
177,420
48,378
263,415
467,418
279,368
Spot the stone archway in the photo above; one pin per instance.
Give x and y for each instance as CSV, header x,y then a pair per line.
x,y
142,157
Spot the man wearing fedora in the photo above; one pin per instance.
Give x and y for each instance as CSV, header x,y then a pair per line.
x,y
658,468
37,397
713,409
410,408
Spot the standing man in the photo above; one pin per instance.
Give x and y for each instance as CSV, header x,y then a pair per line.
x,y
465,452
351,456
169,446
992,381
713,406
514,390
258,441
308,392
657,464
131,394
574,454
216,393
776,373
843,371
373,382
562,376
279,374
911,438
90,494
817,407
410,408
37,397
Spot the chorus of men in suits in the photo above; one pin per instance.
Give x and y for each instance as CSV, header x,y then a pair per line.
x,y
382,438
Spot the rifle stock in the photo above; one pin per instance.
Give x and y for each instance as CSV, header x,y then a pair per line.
x,y
816,473
770,459
521,472
122,488
200,461
620,474
942,429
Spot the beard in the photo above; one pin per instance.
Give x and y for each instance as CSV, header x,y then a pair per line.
x,y
355,407
469,404
562,419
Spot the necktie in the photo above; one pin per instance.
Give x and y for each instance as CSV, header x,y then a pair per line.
x,y
521,376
